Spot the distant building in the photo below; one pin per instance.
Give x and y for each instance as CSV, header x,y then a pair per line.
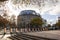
x,y
26,16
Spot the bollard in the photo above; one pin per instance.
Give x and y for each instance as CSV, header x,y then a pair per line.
x,y
33,29
17,30
21,30
4,30
37,29
27,29
11,30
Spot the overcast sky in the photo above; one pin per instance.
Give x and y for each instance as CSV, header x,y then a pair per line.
x,y
49,9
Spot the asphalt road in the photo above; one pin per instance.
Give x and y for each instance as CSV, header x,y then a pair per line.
x,y
55,34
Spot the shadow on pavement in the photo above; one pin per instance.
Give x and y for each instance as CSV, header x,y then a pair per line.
x,y
3,35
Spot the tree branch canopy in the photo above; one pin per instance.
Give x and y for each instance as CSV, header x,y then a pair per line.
x,y
2,0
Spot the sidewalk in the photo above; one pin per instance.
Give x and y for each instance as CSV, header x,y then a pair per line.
x,y
5,37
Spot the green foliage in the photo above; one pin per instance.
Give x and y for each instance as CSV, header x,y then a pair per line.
x,y
58,23
37,22
49,25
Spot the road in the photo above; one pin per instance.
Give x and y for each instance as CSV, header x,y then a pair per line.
x,y
54,34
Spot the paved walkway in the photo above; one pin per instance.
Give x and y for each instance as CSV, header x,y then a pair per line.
x,y
47,34
5,37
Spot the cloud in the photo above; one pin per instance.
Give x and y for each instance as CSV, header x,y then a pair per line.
x,y
53,10
50,8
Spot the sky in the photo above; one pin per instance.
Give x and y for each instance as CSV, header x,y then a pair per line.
x,y
48,9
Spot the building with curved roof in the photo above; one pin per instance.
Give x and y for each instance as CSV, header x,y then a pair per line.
x,y
28,12
26,16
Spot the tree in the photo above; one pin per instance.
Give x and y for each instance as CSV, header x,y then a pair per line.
x,y
13,20
2,21
49,25
58,24
36,22
2,0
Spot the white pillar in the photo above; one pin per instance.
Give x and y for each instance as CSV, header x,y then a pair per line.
x,y
4,30
17,30
10,29
38,29
32,29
